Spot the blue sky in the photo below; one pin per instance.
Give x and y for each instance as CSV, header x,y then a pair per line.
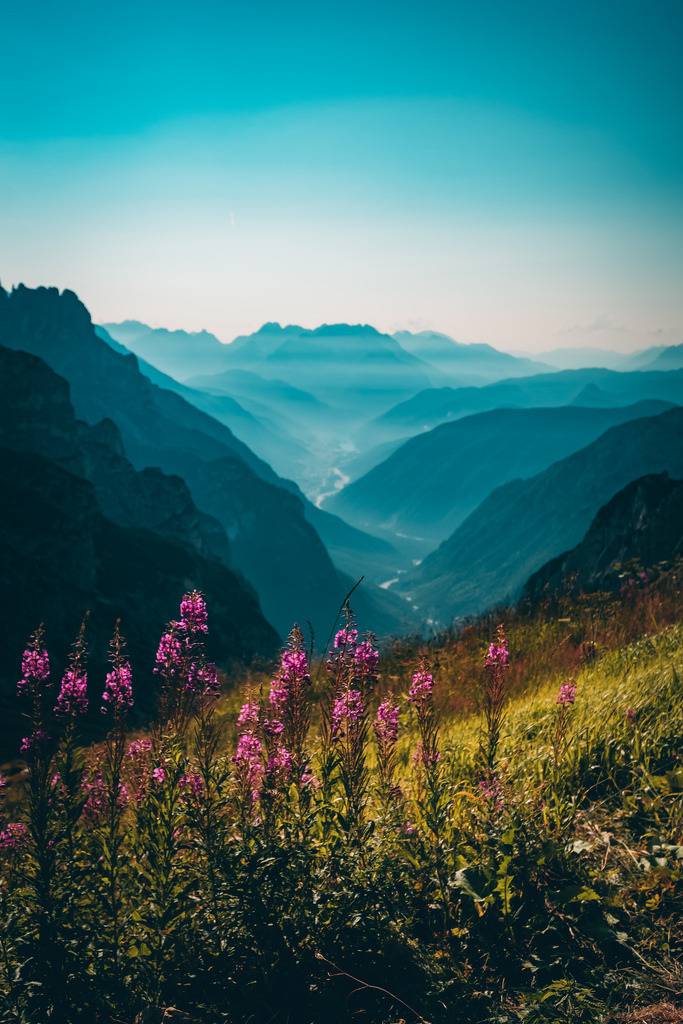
x,y
504,171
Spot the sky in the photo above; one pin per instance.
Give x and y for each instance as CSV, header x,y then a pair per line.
x,y
502,170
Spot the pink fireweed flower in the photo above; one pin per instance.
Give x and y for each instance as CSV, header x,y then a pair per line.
x,y
248,762
72,698
280,764
193,613
159,775
567,694
247,720
97,797
13,835
3,781
35,666
366,658
56,780
347,708
631,715
386,725
309,779
38,739
345,637
273,726
292,674
202,679
118,690
169,656
422,687
498,654
192,785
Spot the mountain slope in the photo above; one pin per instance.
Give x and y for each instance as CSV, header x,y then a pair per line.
x,y
480,362
643,523
432,482
271,540
180,354
523,524
438,405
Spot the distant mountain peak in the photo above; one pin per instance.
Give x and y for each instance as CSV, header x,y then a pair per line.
x,y
341,330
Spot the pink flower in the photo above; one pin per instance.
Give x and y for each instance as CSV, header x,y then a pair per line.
x,y
498,654
203,679
35,666
248,761
280,764
118,690
193,613
366,658
169,654
386,724
567,694
73,694
97,796
631,715
192,784
248,717
421,688
492,790
348,707
13,835
273,726
35,741
346,637
159,775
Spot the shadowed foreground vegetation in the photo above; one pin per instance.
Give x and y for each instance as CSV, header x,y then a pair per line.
x,y
457,831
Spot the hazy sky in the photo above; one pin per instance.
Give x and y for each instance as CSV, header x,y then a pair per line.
x,y
505,171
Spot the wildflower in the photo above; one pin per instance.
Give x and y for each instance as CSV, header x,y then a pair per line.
x,y
386,724
631,715
35,665
348,707
421,688
169,654
345,637
309,779
118,690
280,764
366,658
567,694
203,679
95,789
38,739
193,613
13,835
192,785
56,780
248,716
273,726
248,761
498,654
73,694
3,781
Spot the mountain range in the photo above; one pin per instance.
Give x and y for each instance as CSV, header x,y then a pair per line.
x,y
432,482
524,523
272,541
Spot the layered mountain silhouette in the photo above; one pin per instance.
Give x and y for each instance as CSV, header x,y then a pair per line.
x,y
470,363
642,523
432,482
271,540
438,405
523,524
81,529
